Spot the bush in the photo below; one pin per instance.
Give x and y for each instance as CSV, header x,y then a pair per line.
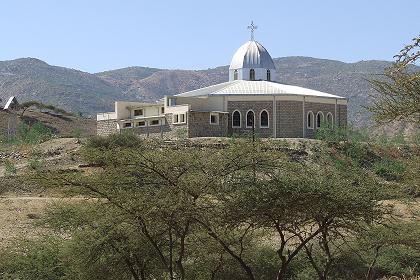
x,y
182,133
35,164
9,168
35,260
123,140
35,134
331,134
389,169
76,133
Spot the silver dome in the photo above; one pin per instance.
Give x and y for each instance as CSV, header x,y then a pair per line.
x,y
252,55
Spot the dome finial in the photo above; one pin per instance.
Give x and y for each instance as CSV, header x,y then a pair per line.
x,y
252,27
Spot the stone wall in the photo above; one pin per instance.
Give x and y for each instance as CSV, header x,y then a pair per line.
x,y
289,119
107,127
342,115
243,107
176,130
9,123
199,125
315,108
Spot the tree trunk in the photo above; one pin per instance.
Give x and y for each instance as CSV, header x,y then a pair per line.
x,y
369,274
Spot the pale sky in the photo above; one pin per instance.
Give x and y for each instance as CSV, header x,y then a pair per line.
x,y
98,35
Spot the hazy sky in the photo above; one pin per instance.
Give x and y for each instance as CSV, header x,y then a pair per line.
x,y
97,35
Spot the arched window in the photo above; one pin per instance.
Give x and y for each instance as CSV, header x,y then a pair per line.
x,y
252,75
319,119
268,75
330,119
250,119
235,74
264,119
236,119
310,120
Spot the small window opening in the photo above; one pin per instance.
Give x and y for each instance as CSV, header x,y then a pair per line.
x,y
264,119
250,119
252,75
214,118
154,122
236,119
138,112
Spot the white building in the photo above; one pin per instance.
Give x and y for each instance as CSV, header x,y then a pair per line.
x,y
250,102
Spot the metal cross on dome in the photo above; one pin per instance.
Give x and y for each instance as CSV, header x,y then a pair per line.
x,y
252,27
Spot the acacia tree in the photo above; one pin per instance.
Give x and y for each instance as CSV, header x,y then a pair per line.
x,y
229,199
293,203
398,94
152,188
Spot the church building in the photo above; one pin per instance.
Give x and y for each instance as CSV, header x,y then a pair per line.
x,y
250,102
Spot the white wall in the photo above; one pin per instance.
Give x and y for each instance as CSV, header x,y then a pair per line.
x,y
125,110
260,74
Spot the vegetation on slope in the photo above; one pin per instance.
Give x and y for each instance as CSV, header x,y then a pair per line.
x,y
236,210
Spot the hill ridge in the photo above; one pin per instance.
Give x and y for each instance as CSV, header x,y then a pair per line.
x,y
79,91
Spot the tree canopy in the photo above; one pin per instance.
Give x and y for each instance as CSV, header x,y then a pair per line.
x,y
398,93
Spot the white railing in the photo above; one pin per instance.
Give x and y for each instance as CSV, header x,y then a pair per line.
x,y
106,116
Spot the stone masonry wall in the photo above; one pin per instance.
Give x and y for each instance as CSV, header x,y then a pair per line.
x,y
315,108
176,130
199,125
289,119
342,115
243,107
106,127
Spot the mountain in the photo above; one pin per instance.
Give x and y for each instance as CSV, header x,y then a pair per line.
x,y
77,91
33,79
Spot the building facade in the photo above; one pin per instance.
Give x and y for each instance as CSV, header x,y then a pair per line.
x,y
250,102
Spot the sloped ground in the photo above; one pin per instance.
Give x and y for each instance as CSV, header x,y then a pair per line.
x,y
68,126
22,204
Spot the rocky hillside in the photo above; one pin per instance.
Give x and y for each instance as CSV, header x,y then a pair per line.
x,y
30,79
33,79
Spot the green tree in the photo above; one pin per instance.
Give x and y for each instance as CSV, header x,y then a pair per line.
x,y
398,93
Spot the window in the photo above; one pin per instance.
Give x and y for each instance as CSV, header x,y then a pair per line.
x,y
138,112
319,119
127,124
268,75
179,118
235,74
142,123
162,110
252,75
330,119
214,118
236,119
264,119
250,119
310,120
170,101
154,122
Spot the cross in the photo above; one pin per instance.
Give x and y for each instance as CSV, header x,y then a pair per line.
x,y
252,27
